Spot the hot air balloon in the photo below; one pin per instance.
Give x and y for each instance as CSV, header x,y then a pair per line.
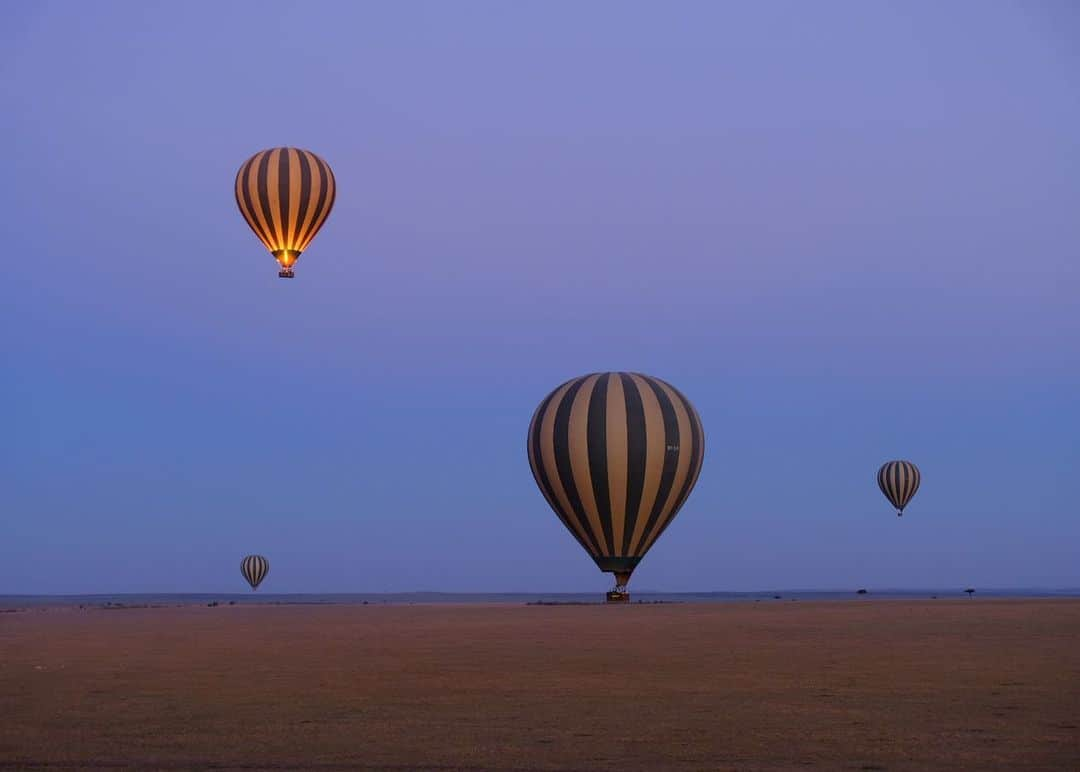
x,y
254,568
899,480
616,455
285,194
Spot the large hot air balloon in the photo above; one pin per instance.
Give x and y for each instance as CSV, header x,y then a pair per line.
x,y
254,568
899,480
285,194
616,455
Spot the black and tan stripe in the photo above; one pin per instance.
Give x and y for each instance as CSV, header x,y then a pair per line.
x,y
285,194
616,455
899,480
254,568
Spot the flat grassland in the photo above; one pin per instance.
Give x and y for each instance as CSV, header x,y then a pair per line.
x,y
862,684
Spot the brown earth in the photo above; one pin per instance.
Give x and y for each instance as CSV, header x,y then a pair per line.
x,y
864,685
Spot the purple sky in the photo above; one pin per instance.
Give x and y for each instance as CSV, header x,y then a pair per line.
x,y
847,231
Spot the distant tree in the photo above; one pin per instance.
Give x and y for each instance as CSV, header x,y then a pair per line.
x,y
776,597
861,592
970,591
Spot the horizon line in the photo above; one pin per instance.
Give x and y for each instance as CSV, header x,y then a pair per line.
x,y
844,590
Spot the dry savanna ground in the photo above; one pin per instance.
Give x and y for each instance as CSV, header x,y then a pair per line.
x,y
867,684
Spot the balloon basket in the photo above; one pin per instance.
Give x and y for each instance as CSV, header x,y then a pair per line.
x,y
615,596
286,274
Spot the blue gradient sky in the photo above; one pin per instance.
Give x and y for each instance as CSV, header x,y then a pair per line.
x,y
848,232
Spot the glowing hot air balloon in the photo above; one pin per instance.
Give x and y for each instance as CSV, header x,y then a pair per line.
x,y
899,480
254,568
616,455
285,194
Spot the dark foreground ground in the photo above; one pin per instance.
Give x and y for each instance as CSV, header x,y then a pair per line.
x,y
865,685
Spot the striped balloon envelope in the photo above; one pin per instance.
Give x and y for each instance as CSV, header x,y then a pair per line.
x,y
285,194
899,480
616,455
254,568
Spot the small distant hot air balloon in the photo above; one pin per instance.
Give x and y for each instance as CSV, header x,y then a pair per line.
x,y
254,568
285,194
899,480
616,455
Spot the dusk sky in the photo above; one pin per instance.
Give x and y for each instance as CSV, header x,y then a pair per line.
x,y
847,231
